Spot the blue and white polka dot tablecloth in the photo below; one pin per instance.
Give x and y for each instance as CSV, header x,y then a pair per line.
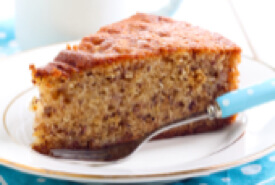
x,y
261,172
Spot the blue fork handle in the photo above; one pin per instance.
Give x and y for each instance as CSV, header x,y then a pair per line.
x,y
242,99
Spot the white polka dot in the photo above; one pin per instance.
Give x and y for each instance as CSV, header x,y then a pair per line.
x,y
273,83
226,102
272,158
3,35
13,44
41,180
250,91
252,169
226,179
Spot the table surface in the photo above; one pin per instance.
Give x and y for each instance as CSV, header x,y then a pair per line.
x,y
250,24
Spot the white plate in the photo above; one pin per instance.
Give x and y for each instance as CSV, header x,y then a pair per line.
x,y
164,160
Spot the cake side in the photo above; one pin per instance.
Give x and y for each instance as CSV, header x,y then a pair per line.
x,y
125,100
231,84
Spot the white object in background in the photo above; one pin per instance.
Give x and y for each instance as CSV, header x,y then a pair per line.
x,y
6,10
257,18
49,21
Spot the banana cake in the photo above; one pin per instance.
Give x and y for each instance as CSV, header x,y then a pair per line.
x,y
128,79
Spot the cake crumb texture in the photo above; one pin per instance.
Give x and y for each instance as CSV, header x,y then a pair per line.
x,y
130,78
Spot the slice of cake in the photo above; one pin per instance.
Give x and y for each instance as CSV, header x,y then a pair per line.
x,y
129,79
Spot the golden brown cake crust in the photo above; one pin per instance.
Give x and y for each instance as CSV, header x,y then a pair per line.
x,y
137,37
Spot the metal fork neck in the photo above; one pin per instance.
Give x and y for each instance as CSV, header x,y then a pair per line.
x,y
214,111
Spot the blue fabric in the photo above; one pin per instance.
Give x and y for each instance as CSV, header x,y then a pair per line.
x,y
8,45
261,171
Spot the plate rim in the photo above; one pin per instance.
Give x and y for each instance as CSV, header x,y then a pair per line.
x,y
124,178
135,178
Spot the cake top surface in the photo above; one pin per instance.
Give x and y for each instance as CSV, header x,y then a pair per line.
x,y
139,36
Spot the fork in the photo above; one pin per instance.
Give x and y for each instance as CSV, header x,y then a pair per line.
x,y
224,106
